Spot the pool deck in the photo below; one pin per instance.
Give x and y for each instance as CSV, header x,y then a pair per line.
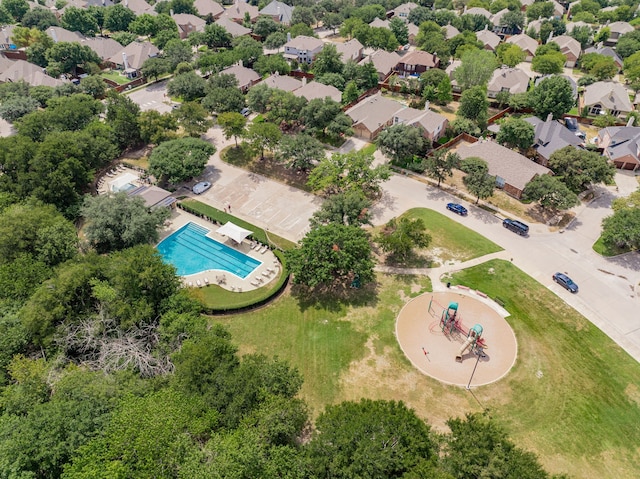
x,y
268,271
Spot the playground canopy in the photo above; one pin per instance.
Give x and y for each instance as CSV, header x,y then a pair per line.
x,y
233,231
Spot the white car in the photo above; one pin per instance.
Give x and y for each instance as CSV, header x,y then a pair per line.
x,y
201,187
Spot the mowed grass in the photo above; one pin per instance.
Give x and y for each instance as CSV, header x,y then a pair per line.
x,y
451,239
573,395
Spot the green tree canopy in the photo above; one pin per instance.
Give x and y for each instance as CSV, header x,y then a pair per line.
x,y
119,221
349,208
622,229
440,164
331,255
180,160
579,169
232,124
402,142
478,180
475,69
552,95
550,192
263,136
474,105
400,236
300,152
516,133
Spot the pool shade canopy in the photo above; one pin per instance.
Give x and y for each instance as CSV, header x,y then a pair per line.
x,y
234,232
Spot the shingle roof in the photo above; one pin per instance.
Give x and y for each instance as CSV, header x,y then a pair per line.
x,y
382,60
303,42
550,136
238,9
104,47
516,80
28,72
350,50
208,7
625,141
620,27
450,31
282,10
186,19
59,34
137,53
373,112
477,11
139,7
245,76
419,57
282,82
525,42
568,44
515,169
427,119
497,17
314,90
606,51
234,29
488,38
611,95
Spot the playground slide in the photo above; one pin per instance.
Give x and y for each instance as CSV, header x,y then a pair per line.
x,y
464,347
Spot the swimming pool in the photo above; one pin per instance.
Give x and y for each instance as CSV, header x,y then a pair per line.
x,y
191,252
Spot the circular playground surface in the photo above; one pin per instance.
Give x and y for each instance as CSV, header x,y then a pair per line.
x,y
433,351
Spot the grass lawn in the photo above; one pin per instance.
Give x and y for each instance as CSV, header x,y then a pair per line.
x,y
451,239
600,248
137,162
369,149
115,76
573,396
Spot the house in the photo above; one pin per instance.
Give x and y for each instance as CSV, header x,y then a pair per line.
x,y
234,29
59,34
608,52
188,23
498,27
154,196
383,61
489,39
450,31
6,35
512,170
535,25
314,90
416,62
511,80
432,124
280,12
551,136
606,98
412,29
528,45
477,11
105,48
449,71
282,82
22,70
239,10
621,145
371,115
139,7
558,9
351,50
303,48
526,3
402,11
246,76
208,8
570,48
572,25
616,29
131,58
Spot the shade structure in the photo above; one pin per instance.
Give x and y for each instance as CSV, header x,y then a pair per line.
x,y
233,231
122,182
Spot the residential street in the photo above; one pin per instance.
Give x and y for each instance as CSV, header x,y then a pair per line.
x,y
608,294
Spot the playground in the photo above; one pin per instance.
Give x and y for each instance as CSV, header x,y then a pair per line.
x,y
456,338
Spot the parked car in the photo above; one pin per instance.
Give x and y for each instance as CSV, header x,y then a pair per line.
x,y
245,112
201,187
516,226
566,282
573,126
456,208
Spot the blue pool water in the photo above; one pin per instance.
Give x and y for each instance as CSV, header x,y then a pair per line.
x,y
191,251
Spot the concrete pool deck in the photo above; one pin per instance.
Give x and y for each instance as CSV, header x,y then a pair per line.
x,y
269,269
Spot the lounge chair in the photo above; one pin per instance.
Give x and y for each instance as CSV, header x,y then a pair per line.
x,y
264,249
239,289
255,283
259,279
254,245
199,283
190,283
206,281
271,270
233,288
265,274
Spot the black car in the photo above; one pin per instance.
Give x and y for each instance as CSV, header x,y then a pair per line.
x,y
573,126
516,226
566,282
456,208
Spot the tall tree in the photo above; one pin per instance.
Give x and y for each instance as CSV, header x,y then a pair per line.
x,y
300,152
440,164
622,229
122,115
193,118
264,136
475,69
328,61
120,221
474,105
400,236
510,54
79,20
332,255
353,170
66,57
118,17
550,192
350,208
515,132
579,169
402,142
552,95
180,160
478,180
232,124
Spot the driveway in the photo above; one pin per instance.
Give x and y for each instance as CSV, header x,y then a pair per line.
x,y
153,97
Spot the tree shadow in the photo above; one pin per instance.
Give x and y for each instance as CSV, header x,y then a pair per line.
x,y
335,297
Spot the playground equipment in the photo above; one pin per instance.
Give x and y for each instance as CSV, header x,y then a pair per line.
x,y
472,341
448,319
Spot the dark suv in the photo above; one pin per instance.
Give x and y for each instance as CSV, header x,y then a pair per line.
x,y
516,226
